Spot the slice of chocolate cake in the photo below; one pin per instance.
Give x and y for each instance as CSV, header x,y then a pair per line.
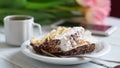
x,y
65,41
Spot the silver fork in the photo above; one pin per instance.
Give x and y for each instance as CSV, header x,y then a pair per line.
x,y
90,57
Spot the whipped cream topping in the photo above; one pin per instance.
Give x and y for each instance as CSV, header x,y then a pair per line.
x,y
73,38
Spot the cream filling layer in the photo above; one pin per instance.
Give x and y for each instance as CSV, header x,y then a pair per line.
x,y
75,37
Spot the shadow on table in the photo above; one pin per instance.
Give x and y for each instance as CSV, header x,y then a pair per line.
x,y
22,60
4,45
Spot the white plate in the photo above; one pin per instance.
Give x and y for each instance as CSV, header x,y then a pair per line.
x,y
101,49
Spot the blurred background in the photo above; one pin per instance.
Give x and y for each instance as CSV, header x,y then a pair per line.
x,y
46,11
115,12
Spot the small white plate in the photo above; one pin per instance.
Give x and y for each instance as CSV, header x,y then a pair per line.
x,y
101,49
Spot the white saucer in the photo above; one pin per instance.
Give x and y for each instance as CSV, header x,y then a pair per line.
x,y
101,49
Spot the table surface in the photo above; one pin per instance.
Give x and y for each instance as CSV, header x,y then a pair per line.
x,y
11,57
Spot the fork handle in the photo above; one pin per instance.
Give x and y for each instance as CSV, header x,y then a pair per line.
x,y
96,58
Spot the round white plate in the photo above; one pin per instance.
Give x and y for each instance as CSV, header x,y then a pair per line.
x,y
101,49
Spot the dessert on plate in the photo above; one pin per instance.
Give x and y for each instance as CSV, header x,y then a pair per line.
x,y
65,41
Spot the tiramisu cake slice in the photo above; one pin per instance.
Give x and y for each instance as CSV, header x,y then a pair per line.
x,y
65,41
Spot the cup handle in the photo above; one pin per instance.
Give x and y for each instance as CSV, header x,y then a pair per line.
x,y
39,27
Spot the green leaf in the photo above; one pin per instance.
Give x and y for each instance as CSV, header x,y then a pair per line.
x,y
12,3
35,5
39,16
43,1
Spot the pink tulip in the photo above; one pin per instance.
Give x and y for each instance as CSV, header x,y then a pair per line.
x,y
86,3
97,10
96,15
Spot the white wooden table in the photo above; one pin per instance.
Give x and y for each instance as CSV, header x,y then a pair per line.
x,y
11,57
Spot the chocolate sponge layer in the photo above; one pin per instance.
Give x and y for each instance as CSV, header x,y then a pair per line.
x,y
51,46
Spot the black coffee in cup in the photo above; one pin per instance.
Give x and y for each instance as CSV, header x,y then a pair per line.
x,y
20,18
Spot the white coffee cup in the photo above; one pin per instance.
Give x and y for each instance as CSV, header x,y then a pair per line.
x,y
19,28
